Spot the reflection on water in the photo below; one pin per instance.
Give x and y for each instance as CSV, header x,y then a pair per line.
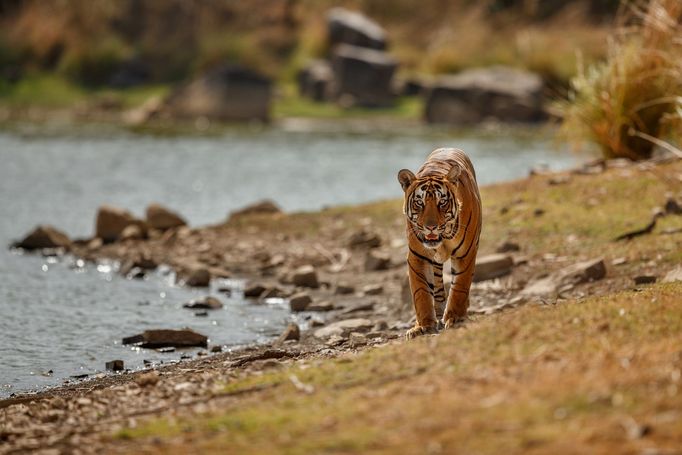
x,y
70,319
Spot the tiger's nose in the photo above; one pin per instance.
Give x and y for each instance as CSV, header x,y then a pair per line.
x,y
431,227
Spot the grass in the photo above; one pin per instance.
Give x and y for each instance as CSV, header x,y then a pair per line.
x,y
631,103
549,379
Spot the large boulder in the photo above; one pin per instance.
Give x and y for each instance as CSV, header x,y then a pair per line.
x,y
227,93
44,237
498,93
363,77
350,27
315,80
165,338
492,266
161,218
111,222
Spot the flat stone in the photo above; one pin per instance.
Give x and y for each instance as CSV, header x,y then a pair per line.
x,y
344,289
493,266
673,275
568,277
292,332
300,301
162,338
365,306
644,279
373,289
196,276
343,328
114,365
204,303
305,276
364,239
377,260
321,306
44,236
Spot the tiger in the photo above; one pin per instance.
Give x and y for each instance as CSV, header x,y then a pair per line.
x,y
442,207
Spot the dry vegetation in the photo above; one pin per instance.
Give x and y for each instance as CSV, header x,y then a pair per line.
x,y
632,102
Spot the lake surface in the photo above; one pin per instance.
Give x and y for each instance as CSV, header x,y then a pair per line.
x,y
60,318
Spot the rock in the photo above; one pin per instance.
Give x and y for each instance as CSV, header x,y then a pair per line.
x,y
196,276
114,365
273,293
344,289
111,221
575,274
343,328
373,289
265,207
204,303
300,301
351,27
161,218
44,236
366,306
216,348
673,275
492,266
148,379
163,338
305,276
364,239
292,332
201,314
376,260
472,96
315,322
380,326
644,279
132,232
226,93
357,339
321,306
363,77
254,291
315,80
673,207
508,247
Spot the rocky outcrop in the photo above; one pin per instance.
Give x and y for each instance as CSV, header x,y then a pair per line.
x,y
154,339
363,77
112,221
205,303
566,278
496,93
350,27
344,327
161,218
44,236
227,93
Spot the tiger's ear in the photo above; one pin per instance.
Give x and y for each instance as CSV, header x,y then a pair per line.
x,y
454,174
405,177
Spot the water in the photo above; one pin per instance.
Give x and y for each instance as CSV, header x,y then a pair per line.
x,y
68,318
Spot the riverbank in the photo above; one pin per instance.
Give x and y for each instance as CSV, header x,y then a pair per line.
x,y
337,389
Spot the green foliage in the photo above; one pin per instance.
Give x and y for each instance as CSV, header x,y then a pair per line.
x,y
633,100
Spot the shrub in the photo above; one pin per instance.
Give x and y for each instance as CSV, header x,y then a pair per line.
x,y
632,101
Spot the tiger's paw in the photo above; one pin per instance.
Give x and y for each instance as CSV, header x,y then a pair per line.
x,y
452,322
418,330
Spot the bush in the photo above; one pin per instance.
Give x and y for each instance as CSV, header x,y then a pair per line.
x,y
632,101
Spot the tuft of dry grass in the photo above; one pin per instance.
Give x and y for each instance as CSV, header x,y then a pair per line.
x,y
632,102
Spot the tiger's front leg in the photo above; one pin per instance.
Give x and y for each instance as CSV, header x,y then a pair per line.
x,y
462,276
421,284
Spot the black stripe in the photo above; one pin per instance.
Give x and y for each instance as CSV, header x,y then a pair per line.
x,y
423,258
468,250
455,273
421,276
439,275
463,236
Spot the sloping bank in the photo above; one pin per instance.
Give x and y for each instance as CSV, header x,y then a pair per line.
x,y
572,359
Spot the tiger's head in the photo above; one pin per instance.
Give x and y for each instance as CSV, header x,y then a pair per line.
x,y
431,205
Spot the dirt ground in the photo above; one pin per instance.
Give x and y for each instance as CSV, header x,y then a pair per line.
x,y
555,357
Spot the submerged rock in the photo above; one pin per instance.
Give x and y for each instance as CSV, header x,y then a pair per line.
x,y
205,303
163,338
44,236
114,365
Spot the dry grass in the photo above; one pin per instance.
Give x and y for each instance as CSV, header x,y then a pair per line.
x,y
633,101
